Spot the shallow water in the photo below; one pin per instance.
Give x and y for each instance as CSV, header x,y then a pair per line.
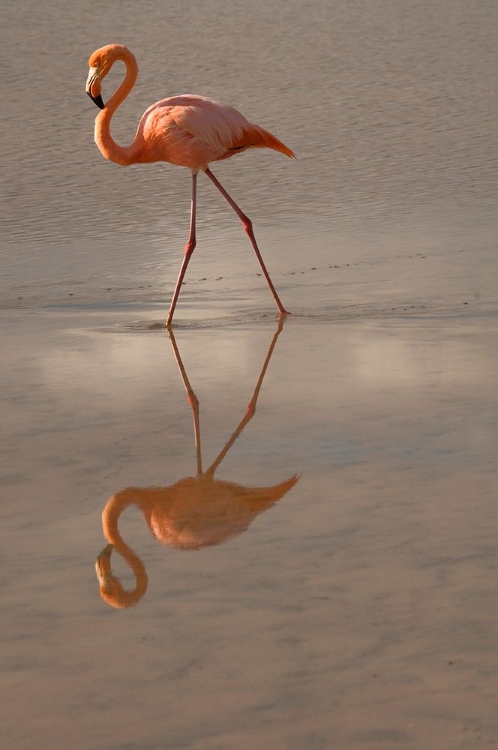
x,y
355,610
390,107
350,603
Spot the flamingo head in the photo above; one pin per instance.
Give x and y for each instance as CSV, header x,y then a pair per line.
x,y
100,63
95,74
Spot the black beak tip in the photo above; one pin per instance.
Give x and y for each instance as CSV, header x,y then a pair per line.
x,y
97,100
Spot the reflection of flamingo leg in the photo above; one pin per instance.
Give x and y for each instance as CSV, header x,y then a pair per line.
x,y
251,407
194,403
192,399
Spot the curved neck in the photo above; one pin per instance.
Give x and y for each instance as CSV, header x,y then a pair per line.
x,y
108,147
111,589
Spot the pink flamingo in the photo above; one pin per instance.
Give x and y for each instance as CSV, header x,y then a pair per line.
x,y
190,131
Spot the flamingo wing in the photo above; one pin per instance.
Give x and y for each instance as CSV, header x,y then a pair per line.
x,y
215,124
193,130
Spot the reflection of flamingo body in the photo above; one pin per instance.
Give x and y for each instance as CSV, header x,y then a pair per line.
x,y
194,512
190,131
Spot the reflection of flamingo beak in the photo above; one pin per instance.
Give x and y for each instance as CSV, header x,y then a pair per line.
x,y
93,88
103,567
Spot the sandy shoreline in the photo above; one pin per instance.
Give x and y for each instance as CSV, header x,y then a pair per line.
x,y
340,283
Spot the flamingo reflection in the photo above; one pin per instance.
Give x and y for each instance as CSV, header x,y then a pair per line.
x,y
194,512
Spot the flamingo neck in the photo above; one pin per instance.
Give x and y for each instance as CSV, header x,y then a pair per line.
x,y
108,147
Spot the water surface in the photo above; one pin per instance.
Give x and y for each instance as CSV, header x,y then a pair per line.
x,y
356,608
390,107
333,583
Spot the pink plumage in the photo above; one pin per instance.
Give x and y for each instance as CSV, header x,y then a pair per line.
x,y
192,131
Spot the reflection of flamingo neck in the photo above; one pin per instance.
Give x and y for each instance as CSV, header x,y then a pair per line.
x,y
111,589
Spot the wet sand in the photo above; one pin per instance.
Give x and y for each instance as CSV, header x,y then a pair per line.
x,y
357,609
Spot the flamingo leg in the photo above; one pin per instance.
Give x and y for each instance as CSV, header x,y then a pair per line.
x,y
189,249
247,224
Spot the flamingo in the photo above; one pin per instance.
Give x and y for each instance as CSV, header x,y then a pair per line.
x,y
188,130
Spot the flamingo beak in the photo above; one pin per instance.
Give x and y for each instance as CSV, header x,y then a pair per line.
x,y
93,88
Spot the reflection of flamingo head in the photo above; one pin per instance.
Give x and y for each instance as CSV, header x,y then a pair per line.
x,y
111,589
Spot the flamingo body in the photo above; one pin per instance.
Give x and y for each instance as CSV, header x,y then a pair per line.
x,y
192,131
188,130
